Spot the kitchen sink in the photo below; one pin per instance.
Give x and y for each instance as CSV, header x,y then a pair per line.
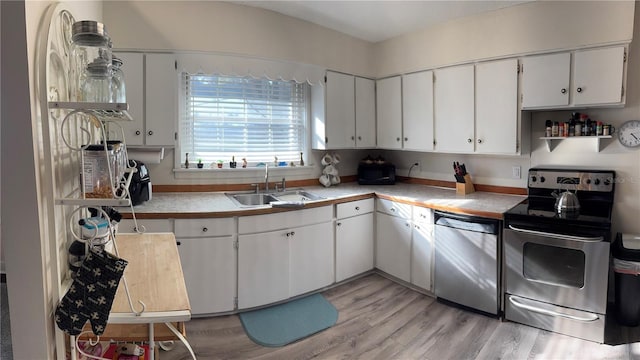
x,y
253,199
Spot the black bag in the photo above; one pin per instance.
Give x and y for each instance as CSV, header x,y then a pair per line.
x,y
140,182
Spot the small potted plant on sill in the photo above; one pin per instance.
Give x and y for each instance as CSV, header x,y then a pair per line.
x,y
219,164
200,164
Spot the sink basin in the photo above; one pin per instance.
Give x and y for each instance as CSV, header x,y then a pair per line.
x,y
252,199
297,195
291,196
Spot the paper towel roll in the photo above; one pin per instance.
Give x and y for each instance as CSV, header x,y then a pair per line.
x,y
147,156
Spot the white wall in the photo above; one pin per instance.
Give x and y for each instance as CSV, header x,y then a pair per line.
x,y
27,202
235,29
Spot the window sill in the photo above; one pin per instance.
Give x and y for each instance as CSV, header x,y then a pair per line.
x,y
250,173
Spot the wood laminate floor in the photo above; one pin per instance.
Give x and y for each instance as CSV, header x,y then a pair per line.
x,y
379,319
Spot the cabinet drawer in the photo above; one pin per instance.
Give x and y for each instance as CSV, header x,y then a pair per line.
x,y
423,216
393,208
354,208
150,226
204,227
284,220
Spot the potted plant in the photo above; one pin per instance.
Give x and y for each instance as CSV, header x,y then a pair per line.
x,y
219,164
200,164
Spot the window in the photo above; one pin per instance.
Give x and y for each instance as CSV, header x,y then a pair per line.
x,y
242,117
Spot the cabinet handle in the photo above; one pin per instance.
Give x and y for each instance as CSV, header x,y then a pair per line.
x,y
359,137
564,91
392,209
178,243
469,141
417,227
397,139
407,224
357,208
150,132
338,224
293,233
479,141
353,138
138,132
579,89
288,234
204,229
406,139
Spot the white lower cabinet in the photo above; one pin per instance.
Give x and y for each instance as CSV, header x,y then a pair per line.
x,y
208,257
209,267
147,225
310,258
422,248
263,268
295,258
393,245
354,238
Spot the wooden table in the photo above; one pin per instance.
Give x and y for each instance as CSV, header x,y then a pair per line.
x,y
154,277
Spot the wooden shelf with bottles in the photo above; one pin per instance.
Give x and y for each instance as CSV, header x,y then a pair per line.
x,y
552,141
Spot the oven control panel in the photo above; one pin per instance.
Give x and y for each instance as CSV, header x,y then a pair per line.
x,y
602,181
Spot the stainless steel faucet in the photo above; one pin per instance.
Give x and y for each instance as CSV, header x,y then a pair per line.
x,y
266,177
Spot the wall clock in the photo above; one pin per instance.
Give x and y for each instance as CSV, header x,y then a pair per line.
x,y
629,133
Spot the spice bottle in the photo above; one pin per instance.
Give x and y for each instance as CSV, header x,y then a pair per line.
x,y
547,130
554,129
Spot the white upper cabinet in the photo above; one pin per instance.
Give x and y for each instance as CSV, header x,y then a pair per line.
x,y
598,76
545,80
454,109
597,79
162,86
417,111
389,112
365,113
497,115
343,113
340,125
133,70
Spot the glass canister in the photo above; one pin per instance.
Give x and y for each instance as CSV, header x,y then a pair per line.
x,y
89,41
118,88
97,82
119,158
98,171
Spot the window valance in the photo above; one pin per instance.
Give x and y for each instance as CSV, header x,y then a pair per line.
x,y
235,65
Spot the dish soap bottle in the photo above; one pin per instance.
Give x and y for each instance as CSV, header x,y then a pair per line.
x,y
301,160
186,161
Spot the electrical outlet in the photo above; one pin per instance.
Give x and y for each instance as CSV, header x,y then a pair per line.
x,y
515,172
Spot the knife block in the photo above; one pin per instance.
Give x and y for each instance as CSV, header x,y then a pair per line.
x,y
466,187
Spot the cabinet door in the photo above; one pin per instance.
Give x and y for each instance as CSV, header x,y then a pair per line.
x,y
161,99
263,268
454,109
209,267
422,255
545,80
497,107
354,246
389,113
365,113
598,76
133,70
417,111
340,111
393,246
311,258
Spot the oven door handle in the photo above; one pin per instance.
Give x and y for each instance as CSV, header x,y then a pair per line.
x,y
589,318
557,236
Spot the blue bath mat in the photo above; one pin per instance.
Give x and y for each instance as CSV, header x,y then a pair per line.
x,y
283,324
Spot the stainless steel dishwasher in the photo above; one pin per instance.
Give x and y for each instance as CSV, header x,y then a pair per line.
x,y
466,261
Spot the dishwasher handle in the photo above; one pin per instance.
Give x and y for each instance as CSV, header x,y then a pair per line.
x,y
466,222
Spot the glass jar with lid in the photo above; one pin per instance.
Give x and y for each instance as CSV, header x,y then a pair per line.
x,y
97,82
89,42
118,88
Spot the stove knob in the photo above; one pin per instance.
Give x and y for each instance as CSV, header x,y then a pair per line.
x,y
534,179
588,181
542,179
607,182
597,181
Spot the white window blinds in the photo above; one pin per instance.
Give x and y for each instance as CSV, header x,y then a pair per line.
x,y
257,119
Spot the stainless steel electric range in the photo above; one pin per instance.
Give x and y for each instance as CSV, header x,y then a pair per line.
x,y
557,260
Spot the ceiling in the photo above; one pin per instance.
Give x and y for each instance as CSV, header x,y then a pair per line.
x,y
379,20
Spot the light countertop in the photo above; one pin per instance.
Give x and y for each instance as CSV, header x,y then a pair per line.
x,y
217,204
